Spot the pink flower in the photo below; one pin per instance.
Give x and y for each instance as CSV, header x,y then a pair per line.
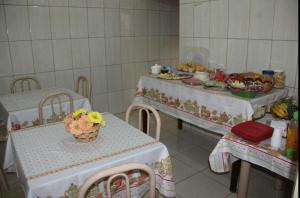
x,y
85,123
75,128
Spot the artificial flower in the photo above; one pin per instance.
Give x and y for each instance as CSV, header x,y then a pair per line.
x,y
79,112
75,128
85,123
95,117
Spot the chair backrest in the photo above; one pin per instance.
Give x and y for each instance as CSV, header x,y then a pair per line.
x,y
119,171
147,109
52,96
84,87
24,81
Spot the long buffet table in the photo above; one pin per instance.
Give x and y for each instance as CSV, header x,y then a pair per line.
x,y
214,110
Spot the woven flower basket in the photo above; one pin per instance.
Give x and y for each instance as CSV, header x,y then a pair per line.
x,y
88,136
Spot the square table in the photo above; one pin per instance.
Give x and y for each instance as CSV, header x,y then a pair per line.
x,y
230,147
50,163
213,110
20,110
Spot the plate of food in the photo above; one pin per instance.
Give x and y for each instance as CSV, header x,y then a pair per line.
x,y
192,81
191,68
216,85
172,76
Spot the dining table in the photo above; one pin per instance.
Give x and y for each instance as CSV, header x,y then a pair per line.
x,y
51,163
231,148
213,109
20,110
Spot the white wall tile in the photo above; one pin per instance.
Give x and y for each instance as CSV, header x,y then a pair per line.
x,y
46,79
5,85
128,96
113,54
112,22
114,78
128,4
261,19
62,54
3,35
141,4
141,68
154,48
116,102
219,19
5,63
286,20
174,23
165,47
165,23
127,49
201,42
285,56
60,27
39,22
111,3
154,5
64,79
140,23
127,22
100,102
259,53
78,22
58,2
186,20
201,19
154,23
80,53
42,55
99,79
38,2
297,77
238,18
16,2
17,22
97,51
96,22
77,3
21,54
141,49
218,49
236,56
174,45
95,3
184,45
128,76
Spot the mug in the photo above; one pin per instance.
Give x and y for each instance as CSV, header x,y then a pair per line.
x,y
203,76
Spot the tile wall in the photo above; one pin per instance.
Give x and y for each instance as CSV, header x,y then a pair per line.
x,y
244,35
112,42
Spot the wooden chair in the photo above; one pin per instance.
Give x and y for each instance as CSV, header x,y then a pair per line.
x,y
52,96
115,172
147,109
24,80
83,87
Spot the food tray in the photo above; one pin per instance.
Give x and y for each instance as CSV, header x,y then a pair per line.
x,y
244,94
171,76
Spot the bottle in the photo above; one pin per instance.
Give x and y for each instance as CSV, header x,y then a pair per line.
x,y
276,139
292,138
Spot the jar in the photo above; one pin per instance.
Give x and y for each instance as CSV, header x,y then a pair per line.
x,y
279,79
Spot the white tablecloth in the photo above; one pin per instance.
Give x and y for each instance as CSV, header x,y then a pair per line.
x,y
214,110
50,163
230,147
20,110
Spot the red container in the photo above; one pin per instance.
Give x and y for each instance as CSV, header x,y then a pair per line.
x,y
252,131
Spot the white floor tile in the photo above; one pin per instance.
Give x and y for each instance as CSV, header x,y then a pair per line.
x,y
200,186
181,171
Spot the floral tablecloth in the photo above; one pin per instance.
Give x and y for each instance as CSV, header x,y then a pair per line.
x,y
20,110
230,147
50,163
214,110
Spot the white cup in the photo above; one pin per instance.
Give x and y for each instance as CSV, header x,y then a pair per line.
x,y
155,69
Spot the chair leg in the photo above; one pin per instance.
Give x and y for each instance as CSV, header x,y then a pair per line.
x,y
179,124
3,180
235,172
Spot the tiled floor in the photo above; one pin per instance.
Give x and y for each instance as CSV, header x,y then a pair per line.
x,y
190,149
